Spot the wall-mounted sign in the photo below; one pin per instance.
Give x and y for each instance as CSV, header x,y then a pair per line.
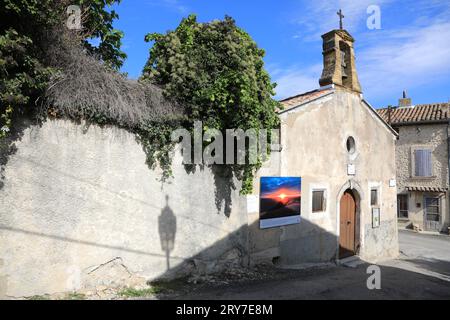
x,y
252,204
279,201
375,217
351,169
392,183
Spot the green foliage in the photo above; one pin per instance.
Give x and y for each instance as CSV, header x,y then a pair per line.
x,y
136,293
217,72
24,59
22,76
214,70
99,23
32,18
39,297
157,144
75,296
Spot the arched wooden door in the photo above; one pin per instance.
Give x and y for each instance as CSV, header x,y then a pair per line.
x,y
347,225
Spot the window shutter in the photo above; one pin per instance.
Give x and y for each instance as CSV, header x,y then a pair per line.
x,y
427,160
422,163
418,162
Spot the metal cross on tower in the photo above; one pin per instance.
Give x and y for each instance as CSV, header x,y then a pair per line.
x,y
341,16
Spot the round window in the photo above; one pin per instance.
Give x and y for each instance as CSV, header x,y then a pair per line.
x,y
351,145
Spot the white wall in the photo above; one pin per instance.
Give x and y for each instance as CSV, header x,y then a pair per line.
x,y
314,147
74,199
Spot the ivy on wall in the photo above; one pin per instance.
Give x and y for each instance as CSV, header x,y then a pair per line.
x,y
217,72
213,72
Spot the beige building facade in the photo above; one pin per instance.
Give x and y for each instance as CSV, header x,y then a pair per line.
x,y
356,157
422,160
345,153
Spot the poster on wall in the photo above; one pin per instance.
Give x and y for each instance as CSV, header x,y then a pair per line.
x,y
375,217
279,201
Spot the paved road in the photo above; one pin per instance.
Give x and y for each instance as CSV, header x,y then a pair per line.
x,y
423,245
424,254
421,272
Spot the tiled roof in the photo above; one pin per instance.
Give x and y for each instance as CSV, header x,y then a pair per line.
x,y
427,189
304,97
418,113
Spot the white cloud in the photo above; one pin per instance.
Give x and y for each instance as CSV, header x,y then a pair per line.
x,y
387,60
295,80
176,5
320,16
393,63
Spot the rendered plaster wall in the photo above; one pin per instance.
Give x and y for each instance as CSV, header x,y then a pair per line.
x,y
314,139
80,208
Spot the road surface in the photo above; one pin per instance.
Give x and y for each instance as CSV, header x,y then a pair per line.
x,y
422,271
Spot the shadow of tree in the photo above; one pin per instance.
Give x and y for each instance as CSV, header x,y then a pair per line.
x,y
224,187
224,184
8,144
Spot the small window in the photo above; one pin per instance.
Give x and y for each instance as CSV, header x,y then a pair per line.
x,y
402,206
351,145
374,197
318,201
422,162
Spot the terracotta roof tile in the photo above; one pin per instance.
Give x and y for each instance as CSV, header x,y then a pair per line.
x,y
425,189
304,97
418,113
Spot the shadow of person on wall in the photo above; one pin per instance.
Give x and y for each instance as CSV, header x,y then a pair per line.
x,y
167,224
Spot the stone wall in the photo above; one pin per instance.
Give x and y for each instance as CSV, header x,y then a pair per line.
x,y
434,137
80,207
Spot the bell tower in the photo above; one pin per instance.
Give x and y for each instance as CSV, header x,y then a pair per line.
x,y
339,59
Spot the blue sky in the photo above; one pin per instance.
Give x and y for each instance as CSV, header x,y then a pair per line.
x,y
411,50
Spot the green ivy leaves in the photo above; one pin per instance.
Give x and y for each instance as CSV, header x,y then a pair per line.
x,y
217,72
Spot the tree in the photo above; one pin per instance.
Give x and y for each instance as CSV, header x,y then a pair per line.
x,y
26,27
217,72
99,24
34,18
22,76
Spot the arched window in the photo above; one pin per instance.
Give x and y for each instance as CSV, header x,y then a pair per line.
x,y
351,147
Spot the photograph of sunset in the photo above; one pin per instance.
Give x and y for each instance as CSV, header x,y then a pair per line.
x,y
280,201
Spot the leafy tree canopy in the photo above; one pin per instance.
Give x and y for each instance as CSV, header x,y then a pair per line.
x,y
217,72
25,29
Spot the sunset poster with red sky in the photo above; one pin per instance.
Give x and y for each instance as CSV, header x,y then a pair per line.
x,y
279,201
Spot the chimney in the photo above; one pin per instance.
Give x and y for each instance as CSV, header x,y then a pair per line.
x,y
339,61
404,102
389,110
